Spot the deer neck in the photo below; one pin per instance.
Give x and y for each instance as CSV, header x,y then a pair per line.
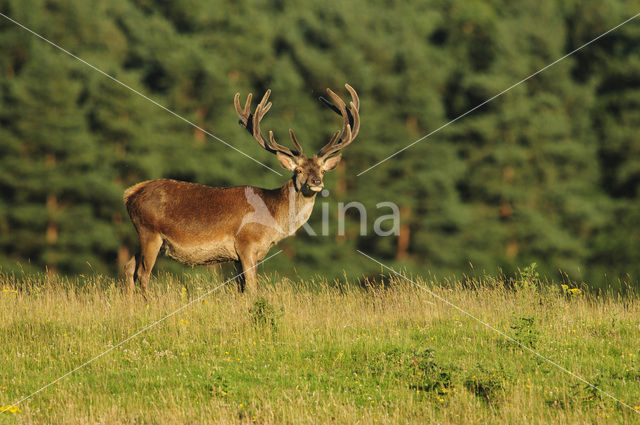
x,y
296,207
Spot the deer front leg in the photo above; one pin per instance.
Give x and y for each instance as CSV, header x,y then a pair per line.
x,y
248,280
239,276
250,275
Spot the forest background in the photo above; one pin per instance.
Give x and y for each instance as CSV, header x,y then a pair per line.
x,y
549,172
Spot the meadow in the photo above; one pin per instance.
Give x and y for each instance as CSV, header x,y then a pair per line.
x,y
317,352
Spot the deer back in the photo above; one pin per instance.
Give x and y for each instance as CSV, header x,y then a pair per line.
x,y
190,212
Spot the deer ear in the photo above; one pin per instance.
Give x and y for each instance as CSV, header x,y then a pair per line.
x,y
331,163
287,162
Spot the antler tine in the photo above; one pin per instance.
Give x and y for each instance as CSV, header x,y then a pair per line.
x,y
236,103
252,123
354,96
244,114
275,146
354,108
334,139
343,109
356,119
338,147
295,142
339,104
247,104
257,133
349,130
264,104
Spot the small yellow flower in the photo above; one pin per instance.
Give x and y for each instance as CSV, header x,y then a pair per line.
x,y
186,322
10,409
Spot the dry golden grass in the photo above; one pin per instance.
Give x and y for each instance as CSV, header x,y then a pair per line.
x,y
315,353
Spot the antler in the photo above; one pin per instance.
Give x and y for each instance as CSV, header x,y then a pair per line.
x,y
251,121
351,127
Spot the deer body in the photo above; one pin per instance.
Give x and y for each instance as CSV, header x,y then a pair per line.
x,y
199,224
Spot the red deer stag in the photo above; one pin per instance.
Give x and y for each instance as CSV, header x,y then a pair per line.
x,y
199,224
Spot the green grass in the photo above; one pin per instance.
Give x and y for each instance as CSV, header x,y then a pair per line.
x,y
316,353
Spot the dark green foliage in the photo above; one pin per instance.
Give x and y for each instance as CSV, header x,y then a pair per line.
x,y
582,395
528,278
589,394
426,374
524,331
218,387
548,173
263,314
488,386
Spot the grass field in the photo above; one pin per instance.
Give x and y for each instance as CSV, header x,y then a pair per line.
x,y
316,353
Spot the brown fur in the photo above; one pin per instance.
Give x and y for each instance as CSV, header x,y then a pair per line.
x,y
199,224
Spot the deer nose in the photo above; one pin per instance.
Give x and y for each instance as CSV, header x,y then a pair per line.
x,y
316,181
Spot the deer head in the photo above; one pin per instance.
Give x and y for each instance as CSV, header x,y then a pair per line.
x,y
308,172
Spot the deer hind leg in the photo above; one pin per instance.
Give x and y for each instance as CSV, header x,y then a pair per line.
x,y
150,244
130,273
